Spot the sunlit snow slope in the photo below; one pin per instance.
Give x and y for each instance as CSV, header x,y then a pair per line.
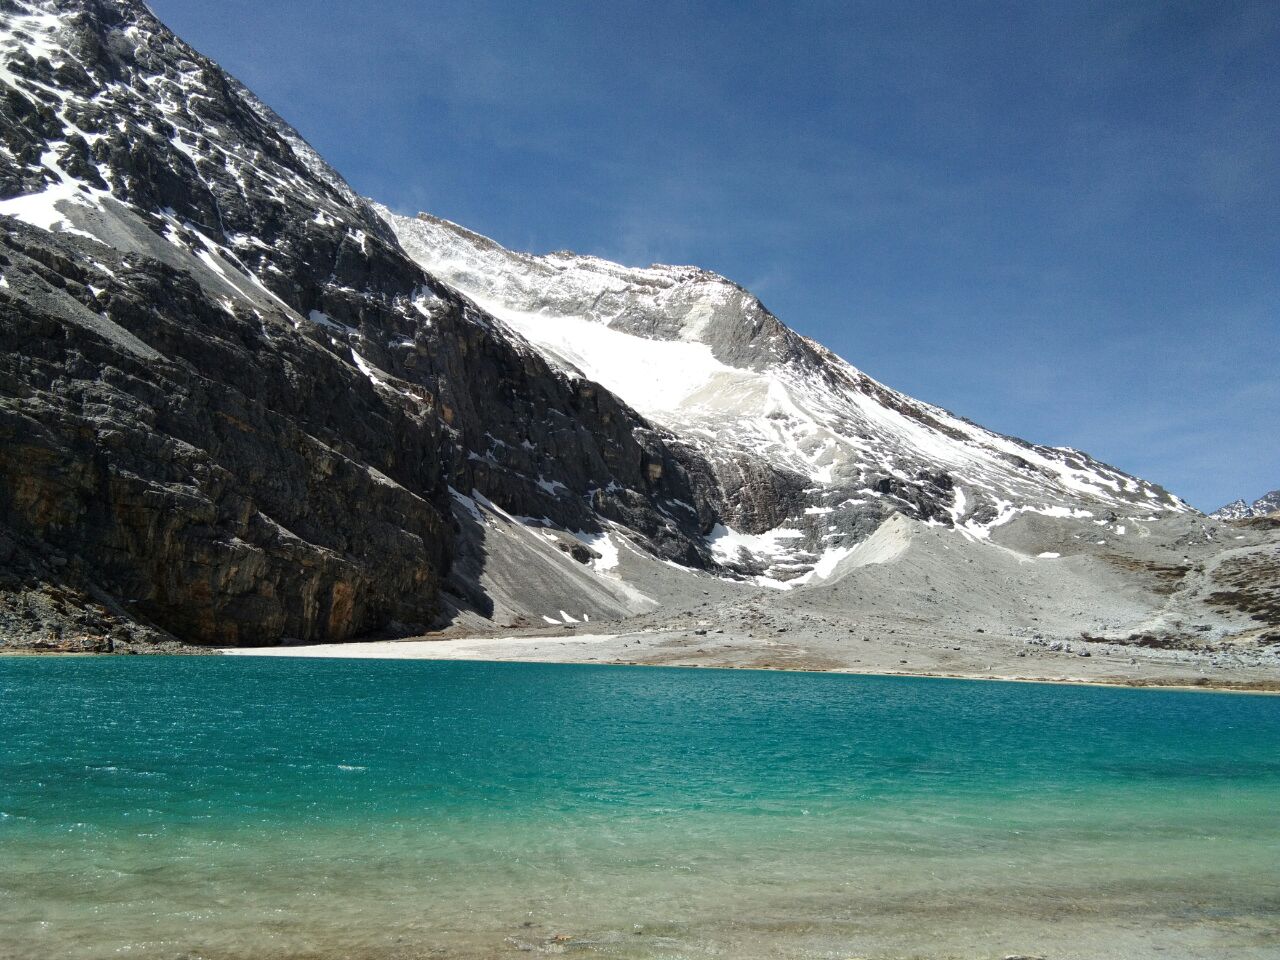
x,y
810,452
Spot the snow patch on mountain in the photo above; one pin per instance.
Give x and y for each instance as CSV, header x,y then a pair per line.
x,y
653,376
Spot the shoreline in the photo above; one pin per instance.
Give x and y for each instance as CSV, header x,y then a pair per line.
x,y
616,649
336,651
1266,688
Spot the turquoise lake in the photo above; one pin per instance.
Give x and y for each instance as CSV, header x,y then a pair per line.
x,y
205,807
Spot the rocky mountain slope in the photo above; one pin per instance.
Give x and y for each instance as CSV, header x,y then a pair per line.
x,y
1265,505
239,404
811,454
231,408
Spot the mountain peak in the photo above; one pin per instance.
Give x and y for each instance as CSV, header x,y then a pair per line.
x,y
659,302
1265,505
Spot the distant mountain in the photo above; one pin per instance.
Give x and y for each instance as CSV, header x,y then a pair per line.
x,y
241,404
1267,504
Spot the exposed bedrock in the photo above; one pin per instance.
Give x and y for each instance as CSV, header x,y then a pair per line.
x,y
226,482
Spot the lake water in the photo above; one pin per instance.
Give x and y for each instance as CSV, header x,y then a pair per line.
x,y
204,807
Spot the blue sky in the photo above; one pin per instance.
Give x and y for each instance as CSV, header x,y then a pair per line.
x,y
1061,220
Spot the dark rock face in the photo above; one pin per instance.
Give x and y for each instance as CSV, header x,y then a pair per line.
x,y
232,413
222,487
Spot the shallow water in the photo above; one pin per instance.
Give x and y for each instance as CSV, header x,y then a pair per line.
x,y
267,808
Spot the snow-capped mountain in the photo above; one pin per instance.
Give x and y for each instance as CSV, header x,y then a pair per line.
x,y
1265,505
809,452
240,404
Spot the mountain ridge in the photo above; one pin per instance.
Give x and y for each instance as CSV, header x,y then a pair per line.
x,y
1240,509
720,366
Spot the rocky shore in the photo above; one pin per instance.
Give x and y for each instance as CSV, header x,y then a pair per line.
x,y
819,644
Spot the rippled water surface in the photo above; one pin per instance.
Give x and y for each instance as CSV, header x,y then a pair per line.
x,y
273,808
